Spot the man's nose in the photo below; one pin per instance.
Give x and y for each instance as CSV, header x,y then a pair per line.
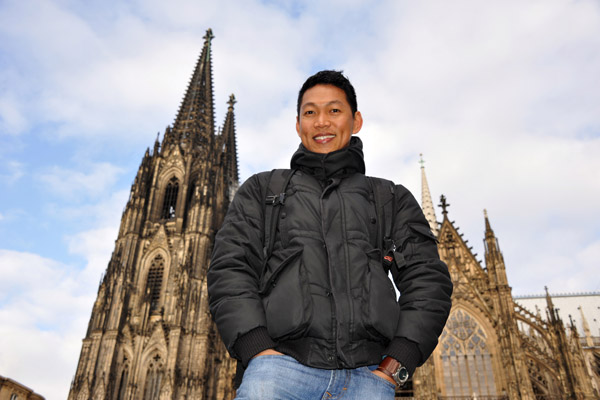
x,y
322,120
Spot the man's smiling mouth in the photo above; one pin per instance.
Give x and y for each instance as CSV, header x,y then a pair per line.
x,y
323,138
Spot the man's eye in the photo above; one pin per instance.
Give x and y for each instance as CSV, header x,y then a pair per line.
x,y
335,110
309,112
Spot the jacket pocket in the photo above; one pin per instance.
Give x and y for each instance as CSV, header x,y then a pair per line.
x,y
286,299
382,307
423,231
417,239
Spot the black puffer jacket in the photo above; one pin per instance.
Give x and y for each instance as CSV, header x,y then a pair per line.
x,y
323,297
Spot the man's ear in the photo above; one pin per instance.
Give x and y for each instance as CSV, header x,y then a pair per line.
x,y
298,125
358,121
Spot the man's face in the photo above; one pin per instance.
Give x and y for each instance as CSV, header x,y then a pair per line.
x,y
326,123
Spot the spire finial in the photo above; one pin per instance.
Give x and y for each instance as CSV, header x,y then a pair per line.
x,y
208,37
444,205
231,102
488,227
426,201
550,304
156,145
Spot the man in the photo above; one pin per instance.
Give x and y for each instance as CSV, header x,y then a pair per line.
x,y
319,317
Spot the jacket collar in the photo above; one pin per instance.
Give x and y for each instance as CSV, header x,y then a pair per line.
x,y
340,163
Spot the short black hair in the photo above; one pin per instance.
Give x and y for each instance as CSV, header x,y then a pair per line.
x,y
330,77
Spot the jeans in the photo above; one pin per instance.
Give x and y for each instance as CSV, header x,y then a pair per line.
x,y
280,377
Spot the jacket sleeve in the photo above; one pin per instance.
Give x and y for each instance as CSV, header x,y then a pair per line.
x,y
423,281
234,273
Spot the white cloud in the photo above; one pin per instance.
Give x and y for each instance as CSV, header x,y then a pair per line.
x,y
500,100
562,273
72,185
44,306
96,246
12,120
11,171
106,212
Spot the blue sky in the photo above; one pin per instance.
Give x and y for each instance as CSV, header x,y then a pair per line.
x,y
501,97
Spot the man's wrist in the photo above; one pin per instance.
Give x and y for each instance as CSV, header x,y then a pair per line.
x,y
268,352
405,351
394,369
384,376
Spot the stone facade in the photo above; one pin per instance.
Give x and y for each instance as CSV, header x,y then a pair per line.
x,y
492,347
12,390
150,335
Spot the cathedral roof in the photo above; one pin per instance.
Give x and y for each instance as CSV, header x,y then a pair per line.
x,y
577,305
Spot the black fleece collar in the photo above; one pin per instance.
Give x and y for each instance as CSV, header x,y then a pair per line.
x,y
340,163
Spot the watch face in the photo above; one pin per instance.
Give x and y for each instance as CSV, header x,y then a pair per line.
x,y
401,375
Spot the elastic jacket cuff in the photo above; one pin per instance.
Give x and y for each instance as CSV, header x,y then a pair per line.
x,y
252,343
406,352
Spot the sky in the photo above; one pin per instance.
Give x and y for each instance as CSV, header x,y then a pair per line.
x,y
501,97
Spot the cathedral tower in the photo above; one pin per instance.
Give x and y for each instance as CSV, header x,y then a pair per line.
x,y
150,334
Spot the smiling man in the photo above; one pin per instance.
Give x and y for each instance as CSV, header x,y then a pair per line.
x,y
326,120
298,282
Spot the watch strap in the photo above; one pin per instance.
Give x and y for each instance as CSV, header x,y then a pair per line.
x,y
389,366
394,369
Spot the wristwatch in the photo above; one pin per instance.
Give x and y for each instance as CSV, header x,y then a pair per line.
x,y
394,369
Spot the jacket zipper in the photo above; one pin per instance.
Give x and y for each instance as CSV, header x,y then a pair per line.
x,y
350,322
331,291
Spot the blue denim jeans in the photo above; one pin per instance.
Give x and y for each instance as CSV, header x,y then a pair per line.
x,y
280,377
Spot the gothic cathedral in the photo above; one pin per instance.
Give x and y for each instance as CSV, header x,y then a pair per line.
x,y
150,335
493,348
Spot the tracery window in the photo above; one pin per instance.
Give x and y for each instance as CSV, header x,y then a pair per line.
x,y
154,282
170,202
466,359
154,377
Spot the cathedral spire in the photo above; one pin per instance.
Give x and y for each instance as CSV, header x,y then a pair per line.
x,y
553,312
156,146
426,202
494,260
230,146
195,119
488,228
586,329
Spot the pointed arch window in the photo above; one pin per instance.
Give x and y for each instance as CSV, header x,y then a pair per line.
x,y
466,358
123,383
154,377
170,203
154,282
